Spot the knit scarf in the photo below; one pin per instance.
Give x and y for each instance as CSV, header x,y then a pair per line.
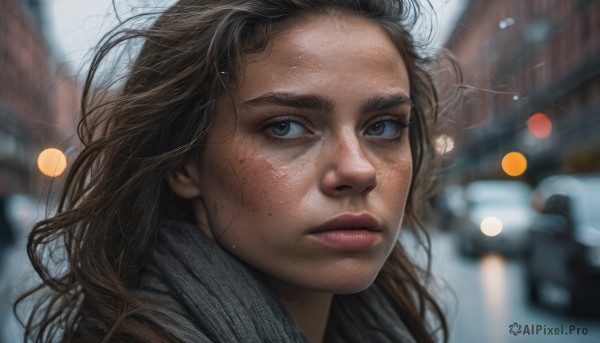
x,y
202,293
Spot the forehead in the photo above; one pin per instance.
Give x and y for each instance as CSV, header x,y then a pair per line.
x,y
328,30
326,46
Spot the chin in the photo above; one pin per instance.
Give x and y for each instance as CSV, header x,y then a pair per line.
x,y
342,282
353,286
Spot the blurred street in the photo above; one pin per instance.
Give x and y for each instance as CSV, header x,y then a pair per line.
x,y
16,273
491,297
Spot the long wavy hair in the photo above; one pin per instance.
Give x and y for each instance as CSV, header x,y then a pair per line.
x,y
153,120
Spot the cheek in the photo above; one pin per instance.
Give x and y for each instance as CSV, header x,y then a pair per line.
x,y
244,188
394,182
260,183
401,176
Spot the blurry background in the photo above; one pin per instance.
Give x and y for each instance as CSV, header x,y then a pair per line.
x,y
515,227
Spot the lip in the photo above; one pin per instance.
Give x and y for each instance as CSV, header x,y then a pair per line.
x,y
349,231
350,221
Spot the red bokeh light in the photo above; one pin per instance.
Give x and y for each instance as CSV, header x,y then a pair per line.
x,y
539,125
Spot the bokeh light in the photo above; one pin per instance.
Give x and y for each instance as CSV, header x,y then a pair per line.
x,y
491,226
514,163
52,162
444,144
539,125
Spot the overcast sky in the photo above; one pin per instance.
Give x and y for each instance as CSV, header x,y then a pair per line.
x,y
76,25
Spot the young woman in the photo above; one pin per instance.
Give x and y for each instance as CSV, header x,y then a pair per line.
x,y
246,182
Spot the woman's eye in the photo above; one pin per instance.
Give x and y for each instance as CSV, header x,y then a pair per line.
x,y
384,128
286,129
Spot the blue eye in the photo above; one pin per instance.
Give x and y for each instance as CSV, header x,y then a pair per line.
x,y
384,129
286,129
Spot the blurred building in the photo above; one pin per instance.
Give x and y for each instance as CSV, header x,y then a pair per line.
x,y
521,58
34,90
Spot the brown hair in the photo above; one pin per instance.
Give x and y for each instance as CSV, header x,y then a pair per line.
x,y
153,121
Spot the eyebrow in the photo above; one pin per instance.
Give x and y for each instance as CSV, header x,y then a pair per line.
x,y
386,102
311,102
324,104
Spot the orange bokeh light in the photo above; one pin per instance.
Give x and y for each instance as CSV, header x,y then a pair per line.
x,y
514,163
52,162
539,125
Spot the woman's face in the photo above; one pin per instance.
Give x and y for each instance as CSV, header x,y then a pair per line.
x,y
307,168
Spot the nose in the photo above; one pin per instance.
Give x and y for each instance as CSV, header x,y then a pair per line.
x,y
349,171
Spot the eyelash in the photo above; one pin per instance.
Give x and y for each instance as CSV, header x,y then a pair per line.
x,y
284,119
403,123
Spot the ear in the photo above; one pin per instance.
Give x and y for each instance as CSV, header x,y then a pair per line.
x,y
185,181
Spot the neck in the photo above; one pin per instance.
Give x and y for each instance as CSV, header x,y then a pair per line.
x,y
310,310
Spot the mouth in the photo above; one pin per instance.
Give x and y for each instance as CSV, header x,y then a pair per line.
x,y
349,232
349,222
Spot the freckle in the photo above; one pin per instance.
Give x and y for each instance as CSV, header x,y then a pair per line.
x,y
242,160
270,213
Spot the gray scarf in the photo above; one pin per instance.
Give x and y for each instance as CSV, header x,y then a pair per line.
x,y
202,293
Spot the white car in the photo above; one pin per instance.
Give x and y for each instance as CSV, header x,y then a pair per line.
x,y
497,217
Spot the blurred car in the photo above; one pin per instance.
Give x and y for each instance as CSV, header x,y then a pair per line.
x,y
7,231
497,216
18,213
449,205
563,259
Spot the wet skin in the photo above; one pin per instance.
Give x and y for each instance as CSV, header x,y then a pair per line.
x,y
320,131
